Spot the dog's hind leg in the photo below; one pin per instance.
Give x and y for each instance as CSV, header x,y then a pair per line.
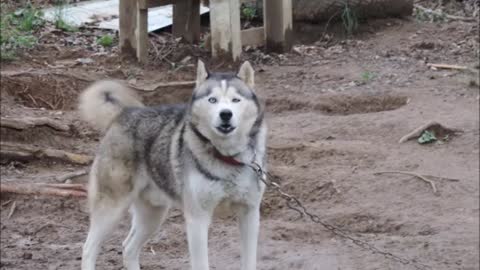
x,y
103,219
110,193
146,219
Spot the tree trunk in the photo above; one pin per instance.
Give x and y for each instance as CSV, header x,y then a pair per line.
x,y
323,10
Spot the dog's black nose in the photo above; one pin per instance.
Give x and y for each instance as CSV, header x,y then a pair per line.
x,y
226,115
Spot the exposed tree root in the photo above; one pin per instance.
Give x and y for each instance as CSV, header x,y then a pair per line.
x,y
63,190
421,177
22,123
418,131
27,153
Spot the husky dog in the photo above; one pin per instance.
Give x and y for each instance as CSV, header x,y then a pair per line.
x,y
194,156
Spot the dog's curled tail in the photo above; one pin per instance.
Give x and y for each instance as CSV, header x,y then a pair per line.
x,y
103,101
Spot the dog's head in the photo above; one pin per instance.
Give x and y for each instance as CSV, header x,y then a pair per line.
x,y
224,105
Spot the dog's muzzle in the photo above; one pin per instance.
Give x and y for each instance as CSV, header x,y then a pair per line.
x,y
225,127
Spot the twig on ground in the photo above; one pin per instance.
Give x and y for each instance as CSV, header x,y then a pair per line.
x,y
157,52
47,225
448,16
66,186
27,152
418,131
22,123
70,175
421,177
44,189
328,23
47,103
12,209
6,203
43,73
155,86
33,100
447,66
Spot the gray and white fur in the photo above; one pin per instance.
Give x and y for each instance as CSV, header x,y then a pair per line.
x,y
191,156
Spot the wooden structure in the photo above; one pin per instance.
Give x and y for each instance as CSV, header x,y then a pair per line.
x,y
226,38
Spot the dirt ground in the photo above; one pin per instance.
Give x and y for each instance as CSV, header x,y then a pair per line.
x,y
336,110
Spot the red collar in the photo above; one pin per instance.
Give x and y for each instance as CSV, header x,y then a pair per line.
x,y
227,159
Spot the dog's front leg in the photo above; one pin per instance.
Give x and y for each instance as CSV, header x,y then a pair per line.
x,y
197,233
249,221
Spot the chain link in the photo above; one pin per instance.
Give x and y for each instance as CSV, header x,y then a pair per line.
x,y
295,204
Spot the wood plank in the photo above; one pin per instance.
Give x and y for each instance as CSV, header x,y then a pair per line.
x,y
225,28
155,3
253,36
128,21
142,35
250,37
277,16
143,4
186,19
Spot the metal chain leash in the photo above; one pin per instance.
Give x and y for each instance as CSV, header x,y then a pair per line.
x,y
295,204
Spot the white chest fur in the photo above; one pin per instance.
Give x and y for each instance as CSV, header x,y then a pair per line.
x,y
239,187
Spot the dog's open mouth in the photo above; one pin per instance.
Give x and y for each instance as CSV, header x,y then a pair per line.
x,y
225,128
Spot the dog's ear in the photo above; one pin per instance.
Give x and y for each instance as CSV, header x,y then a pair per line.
x,y
202,73
247,74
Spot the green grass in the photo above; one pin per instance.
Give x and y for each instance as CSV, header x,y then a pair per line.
x,y
105,41
31,19
248,12
349,19
434,16
61,22
17,31
367,76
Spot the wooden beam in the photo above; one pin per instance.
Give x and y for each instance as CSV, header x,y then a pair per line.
x,y
250,37
253,36
186,19
225,28
154,3
277,16
142,34
127,21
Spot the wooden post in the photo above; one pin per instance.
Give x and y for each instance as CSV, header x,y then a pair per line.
x,y
225,28
277,17
142,31
186,20
127,12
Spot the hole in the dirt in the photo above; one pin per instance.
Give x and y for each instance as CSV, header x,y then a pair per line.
x,y
58,93
346,105
361,223
340,104
45,91
285,105
167,96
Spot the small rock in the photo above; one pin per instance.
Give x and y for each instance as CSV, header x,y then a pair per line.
x,y
132,81
185,60
85,61
27,256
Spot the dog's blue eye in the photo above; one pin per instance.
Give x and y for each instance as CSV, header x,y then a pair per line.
x,y
212,100
235,100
